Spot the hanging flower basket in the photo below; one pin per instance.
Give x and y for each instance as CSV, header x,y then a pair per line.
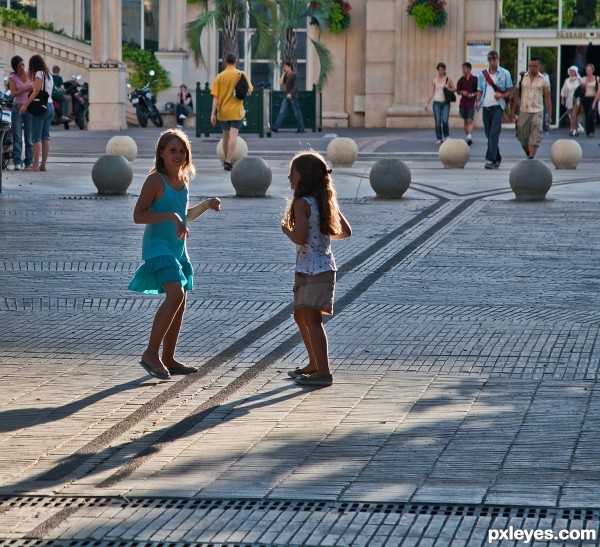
x,y
336,14
428,13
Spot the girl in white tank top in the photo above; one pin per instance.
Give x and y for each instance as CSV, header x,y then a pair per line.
x,y
313,218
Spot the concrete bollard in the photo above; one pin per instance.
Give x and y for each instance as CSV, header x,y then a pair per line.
x,y
251,177
342,152
112,175
566,154
122,145
390,178
530,180
454,154
241,150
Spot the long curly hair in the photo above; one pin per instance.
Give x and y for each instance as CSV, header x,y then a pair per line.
x,y
187,171
315,180
37,63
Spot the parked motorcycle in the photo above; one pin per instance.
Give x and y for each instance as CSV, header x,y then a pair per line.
x,y
144,102
6,127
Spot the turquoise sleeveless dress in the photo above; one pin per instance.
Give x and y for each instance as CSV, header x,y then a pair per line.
x,y
165,256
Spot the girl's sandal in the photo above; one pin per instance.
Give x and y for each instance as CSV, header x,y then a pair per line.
x,y
299,372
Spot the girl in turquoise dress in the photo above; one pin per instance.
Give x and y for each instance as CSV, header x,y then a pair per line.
x,y
163,206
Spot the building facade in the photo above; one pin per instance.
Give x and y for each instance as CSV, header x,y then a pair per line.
x,y
384,62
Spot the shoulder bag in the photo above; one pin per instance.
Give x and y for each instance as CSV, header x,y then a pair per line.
x,y
39,105
449,95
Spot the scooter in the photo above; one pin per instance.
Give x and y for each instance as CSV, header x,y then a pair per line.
x,y
80,102
6,127
144,102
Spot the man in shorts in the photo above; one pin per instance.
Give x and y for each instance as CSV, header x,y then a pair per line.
x,y
227,108
466,87
533,92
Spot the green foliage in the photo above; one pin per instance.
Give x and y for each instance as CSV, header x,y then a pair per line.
x,y
12,17
530,13
141,62
428,13
332,14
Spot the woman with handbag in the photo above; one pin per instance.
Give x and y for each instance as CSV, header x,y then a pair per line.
x,y
442,94
569,97
41,110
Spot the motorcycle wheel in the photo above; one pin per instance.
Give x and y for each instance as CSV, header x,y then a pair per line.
x,y
140,116
156,117
80,121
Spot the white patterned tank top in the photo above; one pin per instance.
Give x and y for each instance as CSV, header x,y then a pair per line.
x,y
315,256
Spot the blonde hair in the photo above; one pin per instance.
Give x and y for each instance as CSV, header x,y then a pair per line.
x,y
187,171
315,180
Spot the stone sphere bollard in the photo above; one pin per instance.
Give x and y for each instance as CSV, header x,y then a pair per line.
x,y
112,175
241,150
122,145
530,180
454,153
251,177
342,152
566,154
390,178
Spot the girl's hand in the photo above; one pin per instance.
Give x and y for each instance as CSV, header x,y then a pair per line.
x,y
214,204
182,231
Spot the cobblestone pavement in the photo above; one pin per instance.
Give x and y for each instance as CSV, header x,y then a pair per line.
x,y
465,349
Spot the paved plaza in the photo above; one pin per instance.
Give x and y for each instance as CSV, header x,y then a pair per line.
x,y
465,348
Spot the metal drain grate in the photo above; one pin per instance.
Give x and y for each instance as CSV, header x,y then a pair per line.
x,y
116,543
456,510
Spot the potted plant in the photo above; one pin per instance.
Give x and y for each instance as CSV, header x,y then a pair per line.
x,y
428,13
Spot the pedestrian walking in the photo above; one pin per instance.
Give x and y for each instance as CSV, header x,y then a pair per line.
x,y
466,87
441,105
494,87
20,86
227,108
163,206
289,83
588,101
40,123
569,101
312,219
533,98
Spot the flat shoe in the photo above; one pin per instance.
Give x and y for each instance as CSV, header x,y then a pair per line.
x,y
155,374
316,379
296,373
184,369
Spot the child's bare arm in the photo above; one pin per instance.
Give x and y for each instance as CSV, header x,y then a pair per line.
x,y
212,203
346,229
299,234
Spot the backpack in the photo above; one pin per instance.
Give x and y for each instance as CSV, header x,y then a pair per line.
x,y
241,89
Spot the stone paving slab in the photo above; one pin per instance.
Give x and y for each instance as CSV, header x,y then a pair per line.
x,y
464,347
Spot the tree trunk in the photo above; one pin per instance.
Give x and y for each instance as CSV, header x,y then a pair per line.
x,y
230,42
290,53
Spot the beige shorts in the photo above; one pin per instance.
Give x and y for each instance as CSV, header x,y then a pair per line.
x,y
529,128
314,292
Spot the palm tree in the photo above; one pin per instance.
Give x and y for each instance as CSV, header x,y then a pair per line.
x,y
282,16
226,15
293,14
